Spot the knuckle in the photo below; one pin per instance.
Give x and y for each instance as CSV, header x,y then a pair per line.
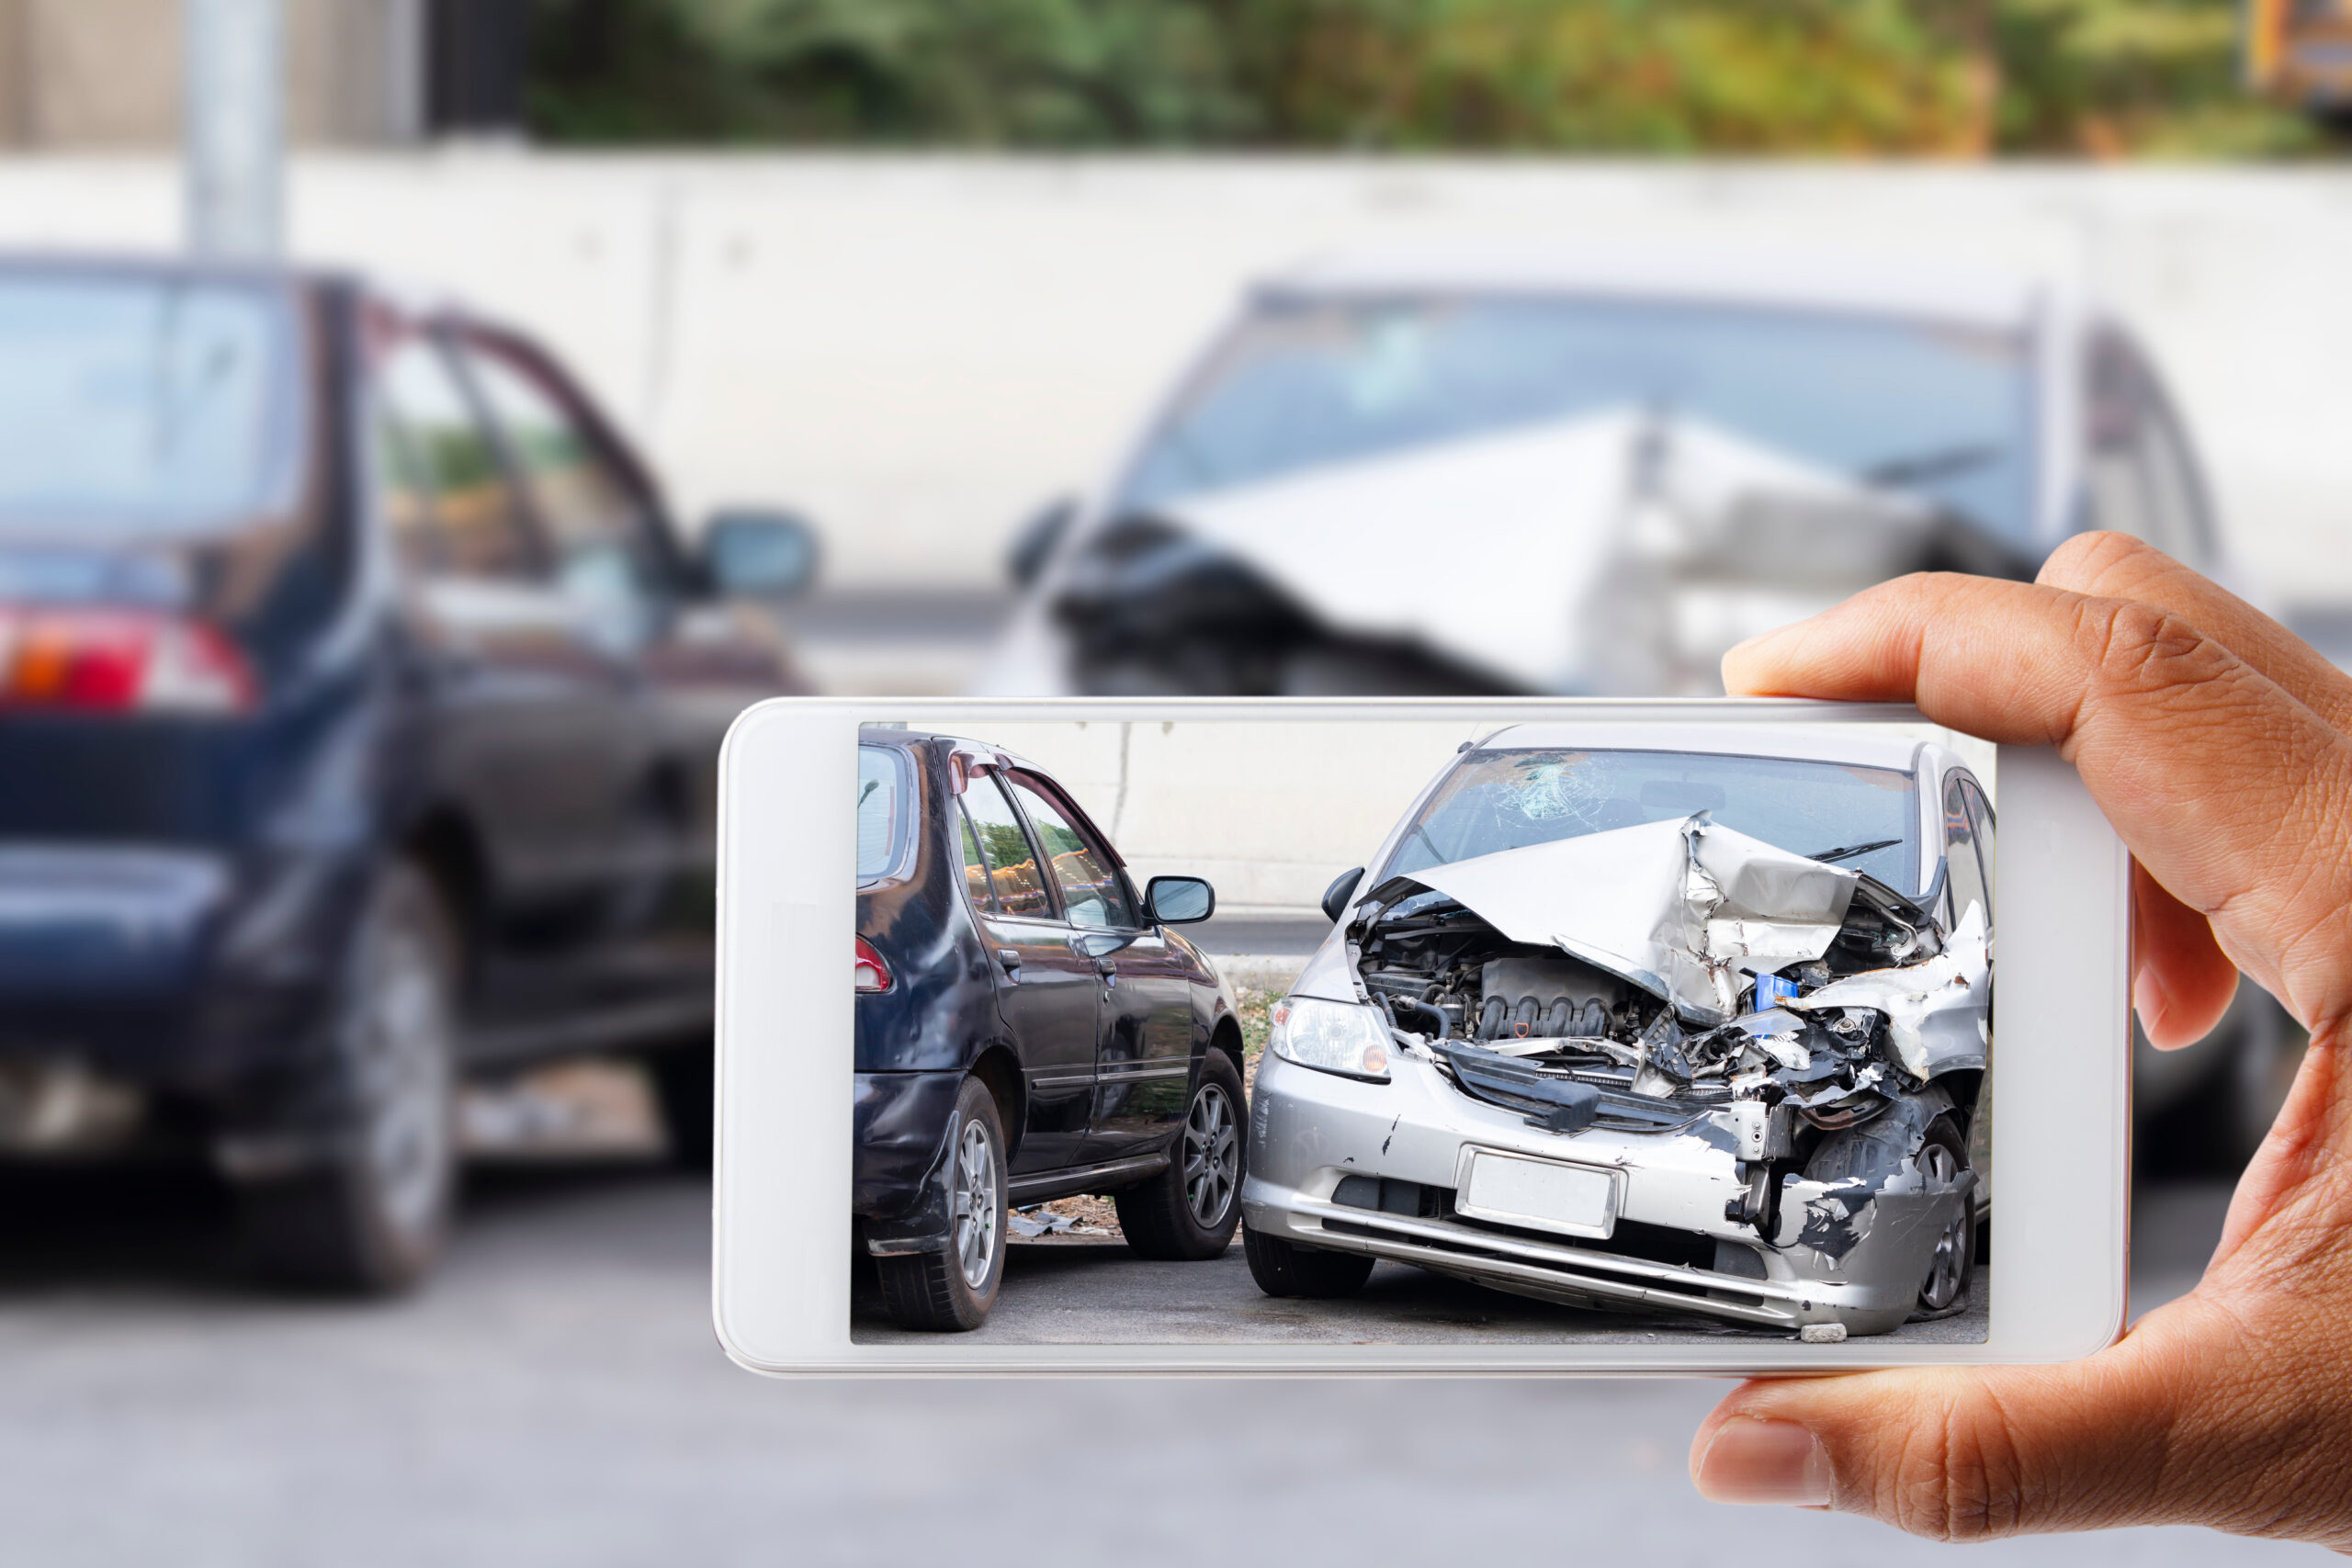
x,y
1956,1479
2138,650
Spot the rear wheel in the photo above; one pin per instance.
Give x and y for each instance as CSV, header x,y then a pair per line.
x,y
371,1216
954,1288
1285,1269
1187,1212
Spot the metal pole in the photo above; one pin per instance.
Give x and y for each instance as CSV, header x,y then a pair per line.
x,y
235,54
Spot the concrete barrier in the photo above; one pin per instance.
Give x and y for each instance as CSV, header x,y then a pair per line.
x,y
920,349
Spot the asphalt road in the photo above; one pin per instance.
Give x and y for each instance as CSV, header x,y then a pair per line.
x,y
556,1398
1062,1291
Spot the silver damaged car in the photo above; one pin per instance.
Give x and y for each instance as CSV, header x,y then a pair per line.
x,y
1625,1018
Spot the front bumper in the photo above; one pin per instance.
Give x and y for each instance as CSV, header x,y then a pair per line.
x,y
1841,1252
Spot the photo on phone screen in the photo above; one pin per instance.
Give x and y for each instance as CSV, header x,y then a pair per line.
x,y
1399,1031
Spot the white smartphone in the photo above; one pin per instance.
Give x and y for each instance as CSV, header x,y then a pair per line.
x,y
1400,1036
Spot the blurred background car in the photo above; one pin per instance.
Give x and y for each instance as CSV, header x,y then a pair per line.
x,y
1449,470
360,713
1514,469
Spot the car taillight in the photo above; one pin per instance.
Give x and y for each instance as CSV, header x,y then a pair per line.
x,y
872,975
111,660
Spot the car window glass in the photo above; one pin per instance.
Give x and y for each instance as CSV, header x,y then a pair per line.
x,y
1012,863
1980,817
595,527
1963,878
976,867
2129,480
445,494
881,810
1089,883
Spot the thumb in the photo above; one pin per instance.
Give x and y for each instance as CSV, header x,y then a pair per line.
x,y
1964,1453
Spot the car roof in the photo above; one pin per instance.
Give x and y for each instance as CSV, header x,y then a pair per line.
x,y
1832,282
1850,747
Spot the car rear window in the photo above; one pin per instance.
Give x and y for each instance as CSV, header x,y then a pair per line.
x,y
882,826
143,406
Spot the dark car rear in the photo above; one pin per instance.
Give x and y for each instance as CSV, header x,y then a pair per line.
x,y
358,715
1028,1027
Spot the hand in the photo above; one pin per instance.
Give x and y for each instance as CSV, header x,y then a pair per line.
x,y
2220,749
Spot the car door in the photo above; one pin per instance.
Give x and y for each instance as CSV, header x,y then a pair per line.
x,y
1143,1055
1961,1037
513,691
1047,989
626,818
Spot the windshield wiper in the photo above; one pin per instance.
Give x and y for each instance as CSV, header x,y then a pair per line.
x,y
1850,850
1941,463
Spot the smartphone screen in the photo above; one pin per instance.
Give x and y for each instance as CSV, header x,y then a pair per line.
x,y
1420,1031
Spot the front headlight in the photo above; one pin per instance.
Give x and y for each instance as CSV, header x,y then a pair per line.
x,y
1331,1037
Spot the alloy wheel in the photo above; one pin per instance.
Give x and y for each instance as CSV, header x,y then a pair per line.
x,y
1947,1269
1212,1156
403,1078
975,1205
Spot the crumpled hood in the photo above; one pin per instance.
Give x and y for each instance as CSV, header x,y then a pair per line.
x,y
1421,545
1681,909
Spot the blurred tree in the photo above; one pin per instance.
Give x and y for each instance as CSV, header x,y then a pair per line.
x,y
1956,77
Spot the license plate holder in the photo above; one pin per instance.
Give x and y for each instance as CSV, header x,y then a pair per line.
x,y
1539,1195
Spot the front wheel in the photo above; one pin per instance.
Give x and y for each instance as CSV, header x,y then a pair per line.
x,y
953,1288
371,1216
1187,1212
1942,1158
1285,1269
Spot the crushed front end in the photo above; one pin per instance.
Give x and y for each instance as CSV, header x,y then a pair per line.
x,y
1663,1068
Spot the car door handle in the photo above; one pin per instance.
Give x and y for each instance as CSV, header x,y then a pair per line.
x,y
1010,960
1104,966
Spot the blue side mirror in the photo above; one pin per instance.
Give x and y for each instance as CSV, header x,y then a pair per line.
x,y
1179,900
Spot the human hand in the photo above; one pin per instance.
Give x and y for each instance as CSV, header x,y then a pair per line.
x,y
2220,747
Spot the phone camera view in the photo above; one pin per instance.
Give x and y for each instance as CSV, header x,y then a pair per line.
x,y
1604,1031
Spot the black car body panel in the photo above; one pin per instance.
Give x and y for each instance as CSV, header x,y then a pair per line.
x,y
1090,1038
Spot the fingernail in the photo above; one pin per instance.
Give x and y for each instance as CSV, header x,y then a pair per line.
x,y
1764,1462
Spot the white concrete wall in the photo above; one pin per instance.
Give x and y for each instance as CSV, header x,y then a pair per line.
x,y
921,350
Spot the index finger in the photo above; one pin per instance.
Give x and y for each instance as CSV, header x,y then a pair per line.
x,y
2227,788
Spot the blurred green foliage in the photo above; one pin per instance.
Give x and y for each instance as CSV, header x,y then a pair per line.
x,y
1955,77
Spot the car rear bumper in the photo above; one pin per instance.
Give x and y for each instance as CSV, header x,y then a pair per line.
x,y
175,969
1839,1253
900,1131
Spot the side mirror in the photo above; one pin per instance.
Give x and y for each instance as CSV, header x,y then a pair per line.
x,y
753,554
1033,545
1179,900
1336,896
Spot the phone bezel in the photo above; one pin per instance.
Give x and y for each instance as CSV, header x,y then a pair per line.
x,y
781,1205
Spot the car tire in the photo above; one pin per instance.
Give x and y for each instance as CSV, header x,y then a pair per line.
x,y
1943,1154
954,1289
1285,1269
1187,1214
371,1216
684,1094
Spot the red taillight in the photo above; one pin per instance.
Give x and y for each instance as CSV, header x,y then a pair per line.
x,y
872,975
119,662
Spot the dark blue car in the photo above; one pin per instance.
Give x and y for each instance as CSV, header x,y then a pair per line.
x,y
1028,1027
360,711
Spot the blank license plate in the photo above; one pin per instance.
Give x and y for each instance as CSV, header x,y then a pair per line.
x,y
1570,1199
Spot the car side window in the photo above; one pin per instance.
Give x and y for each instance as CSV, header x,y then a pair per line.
x,y
1963,876
596,528
445,494
2136,471
977,886
1980,817
1011,860
1091,892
